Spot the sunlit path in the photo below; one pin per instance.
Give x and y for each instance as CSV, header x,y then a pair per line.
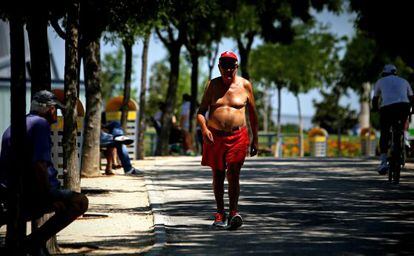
x,y
290,207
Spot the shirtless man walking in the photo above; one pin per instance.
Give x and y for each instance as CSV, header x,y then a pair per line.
x,y
225,136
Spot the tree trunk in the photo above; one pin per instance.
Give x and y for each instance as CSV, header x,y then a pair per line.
x,y
279,126
163,142
141,118
266,110
81,49
265,120
16,227
301,147
339,141
39,54
127,83
338,123
194,87
70,152
265,113
364,100
40,74
92,127
212,59
244,51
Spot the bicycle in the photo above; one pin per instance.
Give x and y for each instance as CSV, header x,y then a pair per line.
x,y
397,154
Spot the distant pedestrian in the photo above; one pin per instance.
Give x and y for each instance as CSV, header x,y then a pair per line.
x,y
176,139
199,134
185,124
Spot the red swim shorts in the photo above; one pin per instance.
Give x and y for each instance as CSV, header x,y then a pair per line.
x,y
228,148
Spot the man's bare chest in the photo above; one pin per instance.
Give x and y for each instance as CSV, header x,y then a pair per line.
x,y
235,96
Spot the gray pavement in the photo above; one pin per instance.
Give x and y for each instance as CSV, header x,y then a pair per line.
x,y
119,220
290,207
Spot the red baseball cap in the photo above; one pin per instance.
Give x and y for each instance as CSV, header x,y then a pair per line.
x,y
228,54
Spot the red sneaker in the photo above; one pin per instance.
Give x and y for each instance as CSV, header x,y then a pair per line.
x,y
235,220
219,220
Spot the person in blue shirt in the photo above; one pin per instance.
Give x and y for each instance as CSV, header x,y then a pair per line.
x,y
41,192
393,98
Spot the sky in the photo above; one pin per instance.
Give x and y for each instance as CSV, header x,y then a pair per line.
x,y
340,25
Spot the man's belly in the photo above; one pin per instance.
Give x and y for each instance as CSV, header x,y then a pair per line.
x,y
227,118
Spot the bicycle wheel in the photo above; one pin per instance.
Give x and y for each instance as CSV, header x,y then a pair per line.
x,y
399,165
397,156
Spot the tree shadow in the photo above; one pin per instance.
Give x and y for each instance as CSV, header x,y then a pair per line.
x,y
293,207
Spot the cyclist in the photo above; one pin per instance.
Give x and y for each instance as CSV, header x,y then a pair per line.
x,y
393,97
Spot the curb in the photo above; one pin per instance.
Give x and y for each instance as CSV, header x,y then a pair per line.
x,y
156,201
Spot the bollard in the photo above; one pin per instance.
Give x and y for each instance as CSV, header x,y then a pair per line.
x,y
318,138
368,142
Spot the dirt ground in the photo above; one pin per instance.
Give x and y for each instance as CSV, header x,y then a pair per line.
x,y
119,220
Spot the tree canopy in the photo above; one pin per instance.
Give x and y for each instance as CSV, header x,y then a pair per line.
x,y
309,61
363,62
331,116
159,82
112,74
388,23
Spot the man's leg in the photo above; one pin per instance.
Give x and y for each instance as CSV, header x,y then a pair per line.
x,y
406,133
185,140
67,209
233,178
400,125
122,152
218,188
109,160
116,162
385,126
188,142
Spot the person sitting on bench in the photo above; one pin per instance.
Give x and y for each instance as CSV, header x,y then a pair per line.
x,y
113,138
41,192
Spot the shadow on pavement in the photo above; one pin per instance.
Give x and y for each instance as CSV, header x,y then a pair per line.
x,y
293,207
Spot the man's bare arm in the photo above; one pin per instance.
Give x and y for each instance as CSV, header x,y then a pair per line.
x,y
252,118
204,106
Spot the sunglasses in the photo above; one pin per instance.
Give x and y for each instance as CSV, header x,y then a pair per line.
x,y
228,65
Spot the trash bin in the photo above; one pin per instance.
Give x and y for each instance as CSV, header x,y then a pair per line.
x,y
57,135
368,142
113,113
318,138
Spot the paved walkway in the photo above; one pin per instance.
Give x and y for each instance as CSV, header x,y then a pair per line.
x,y
290,207
119,220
